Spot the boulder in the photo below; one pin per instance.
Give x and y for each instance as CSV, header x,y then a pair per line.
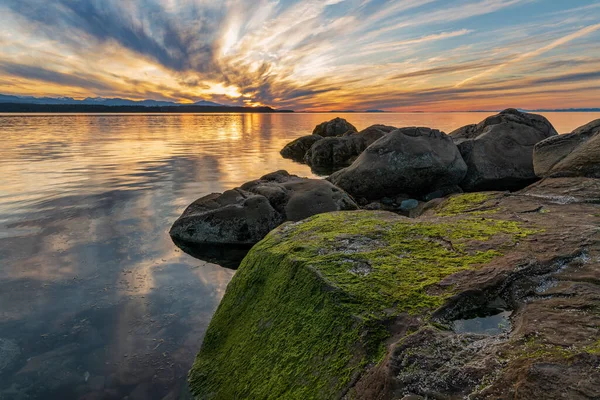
x,y
499,150
335,127
334,152
487,296
245,215
414,161
574,154
296,150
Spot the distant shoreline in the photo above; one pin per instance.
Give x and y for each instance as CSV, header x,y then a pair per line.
x,y
85,108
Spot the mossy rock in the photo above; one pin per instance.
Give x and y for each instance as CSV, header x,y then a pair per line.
x,y
310,307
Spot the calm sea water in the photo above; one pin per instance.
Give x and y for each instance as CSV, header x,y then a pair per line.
x,y
95,300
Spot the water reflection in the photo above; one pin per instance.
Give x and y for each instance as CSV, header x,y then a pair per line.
x,y
94,295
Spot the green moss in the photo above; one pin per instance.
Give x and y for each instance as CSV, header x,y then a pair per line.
x,y
533,349
307,310
467,203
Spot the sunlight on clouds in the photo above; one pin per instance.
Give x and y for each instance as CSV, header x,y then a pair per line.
x,y
312,55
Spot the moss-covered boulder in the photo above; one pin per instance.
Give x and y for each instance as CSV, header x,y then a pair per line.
x,y
317,304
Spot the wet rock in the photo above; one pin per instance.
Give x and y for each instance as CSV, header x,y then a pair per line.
x,y
335,127
499,150
415,161
245,215
342,151
296,150
574,154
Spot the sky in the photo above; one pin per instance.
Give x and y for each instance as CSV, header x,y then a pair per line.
x,y
402,55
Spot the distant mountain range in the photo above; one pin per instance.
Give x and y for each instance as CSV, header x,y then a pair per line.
x,y
100,101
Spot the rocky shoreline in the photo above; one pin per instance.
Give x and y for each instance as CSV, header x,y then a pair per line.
x,y
491,290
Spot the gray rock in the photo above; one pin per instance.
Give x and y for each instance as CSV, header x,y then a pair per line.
x,y
235,216
409,204
342,151
574,154
412,161
296,150
499,150
335,127
247,214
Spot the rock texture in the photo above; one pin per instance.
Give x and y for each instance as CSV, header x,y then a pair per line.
x,y
296,150
366,304
575,154
413,161
245,215
342,151
335,127
499,150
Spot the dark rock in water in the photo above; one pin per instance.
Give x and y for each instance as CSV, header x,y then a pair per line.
x,y
415,161
499,150
574,154
235,216
335,127
297,198
342,151
245,215
485,296
296,150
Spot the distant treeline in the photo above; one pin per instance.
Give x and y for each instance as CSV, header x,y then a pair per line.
x,y
85,108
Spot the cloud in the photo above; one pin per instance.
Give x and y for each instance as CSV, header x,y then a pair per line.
x,y
47,75
310,54
556,43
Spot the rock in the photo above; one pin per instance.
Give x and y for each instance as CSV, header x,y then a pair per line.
x,y
296,150
373,131
499,150
415,161
574,154
235,216
409,204
342,151
246,214
362,304
335,127
443,192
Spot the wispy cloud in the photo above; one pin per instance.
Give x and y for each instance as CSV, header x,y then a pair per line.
x,y
311,54
556,43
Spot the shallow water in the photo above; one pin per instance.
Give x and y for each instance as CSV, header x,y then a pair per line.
x,y
95,300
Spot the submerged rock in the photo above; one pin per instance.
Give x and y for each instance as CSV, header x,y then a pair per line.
x,y
246,214
415,161
499,150
574,154
335,127
296,150
362,304
342,151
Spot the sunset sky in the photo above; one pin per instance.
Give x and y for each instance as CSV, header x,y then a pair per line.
x,y
431,55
